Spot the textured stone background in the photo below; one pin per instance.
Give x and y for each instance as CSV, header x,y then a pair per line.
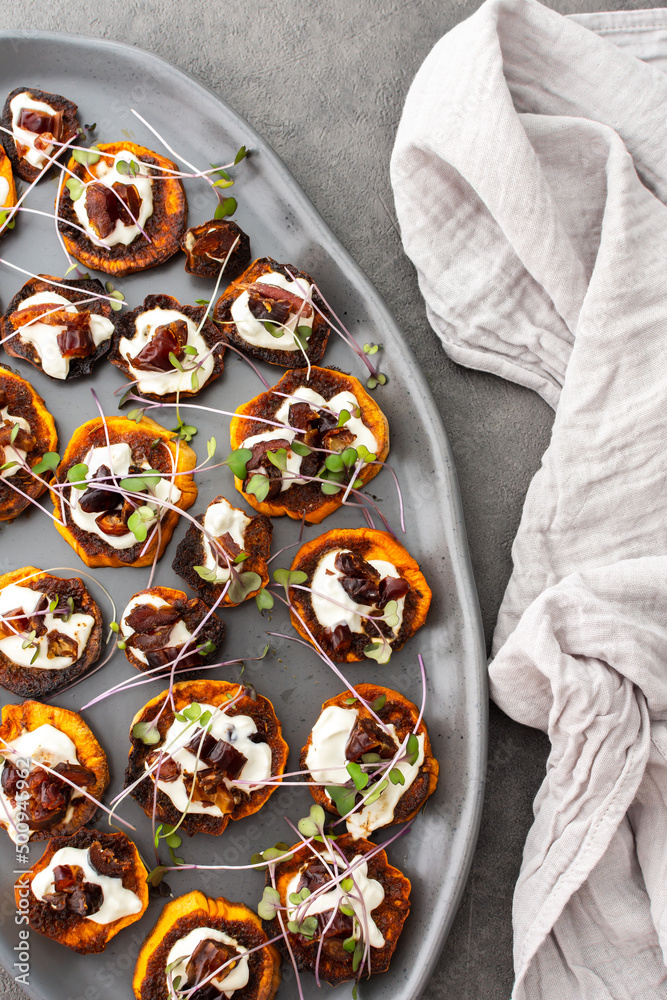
x,y
324,83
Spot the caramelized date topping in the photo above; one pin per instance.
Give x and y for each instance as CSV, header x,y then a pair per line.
x,y
207,957
367,737
339,638
60,644
170,769
167,654
40,122
23,440
48,797
75,342
170,338
222,756
275,298
107,206
314,877
72,894
147,618
94,501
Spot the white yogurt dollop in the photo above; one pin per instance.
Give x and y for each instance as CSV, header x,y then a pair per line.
x,y
44,337
35,157
78,628
162,383
117,901
182,951
108,175
222,519
253,330
333,606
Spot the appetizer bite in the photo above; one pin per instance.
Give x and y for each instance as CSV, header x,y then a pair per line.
x,y
230,544
273,312
351,928
50,632
27,431
215,758
330,431
194,938
169,350
157,628
363,596
84,890
112,488
46,327
214,243
38,803
7,188
402,771
131,211
39,123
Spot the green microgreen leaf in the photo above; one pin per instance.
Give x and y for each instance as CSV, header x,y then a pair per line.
x,y
243,586
342,798
11,224
259,486
76,475
358,955
379,703
86,157
288,577
186,432
269,903
114,626
242,153
192,712
129,167
302,336
412,749
121,645
223,182
211,445
396,776
14,432
137,414
351,701
382,379
175,362
225,208
190,349
146,732
349,944
203,302
278,458
238,460
343,418
371,383
8,465
206,573
376,793
329,489
241,557
347,885
349,457
29,641
75,188
204,650
371,758
194,382
155,877
264,600
70,604
34,656
371,348
53,605
300,449
137,526
334,463
378,651
359,777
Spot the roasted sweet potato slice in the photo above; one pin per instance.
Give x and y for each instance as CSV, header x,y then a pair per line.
x,y
269,304
151,447
208,246
366,737
17,720
157,377
232,803
57,918
7,190
73,599
336,963
40,126
192,551
163,229
365,546
316,428
76,342
152,628
19,399
187,913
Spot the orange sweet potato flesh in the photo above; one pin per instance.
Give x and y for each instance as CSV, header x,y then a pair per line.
x,y
75,932
36,682
182,915
210,693
335,965
17,719
7,175
370,544
307,499
402,714
23,401
93,550
192,612
165,226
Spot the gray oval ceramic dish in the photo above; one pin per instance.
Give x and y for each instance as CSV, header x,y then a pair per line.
x,y
106,80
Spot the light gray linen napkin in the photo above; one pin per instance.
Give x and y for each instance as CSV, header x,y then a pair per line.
x,y
530,177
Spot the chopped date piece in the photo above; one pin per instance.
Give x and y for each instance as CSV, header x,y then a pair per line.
x,y
112,523
103,860
170,769
107,206
47,801
227,543
168,339
72,894
59,644
149,641
39,122
207,957
338,439
353,565
14,621
314,877
23,440
9,778
367,737
75,342
50,313
339,638
392,589
267,310
86,899
95,501
209,245
75,773
221,756
146,617
66,876
360,590
275,294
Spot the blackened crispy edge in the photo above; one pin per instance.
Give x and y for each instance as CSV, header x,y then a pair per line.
x,y
213,631
20,166
23,404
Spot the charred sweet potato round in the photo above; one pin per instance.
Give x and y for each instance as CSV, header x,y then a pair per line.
x,y
336,964
7,189
74,338
191,552
36,682
19,399
187,913
163,228
110,854
275,306
215,242
147,629
239,803
62,126
368,592
20,719
152,366
315,428
367,737
152,447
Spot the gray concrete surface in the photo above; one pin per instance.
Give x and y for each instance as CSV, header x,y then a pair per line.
x,y
324,83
